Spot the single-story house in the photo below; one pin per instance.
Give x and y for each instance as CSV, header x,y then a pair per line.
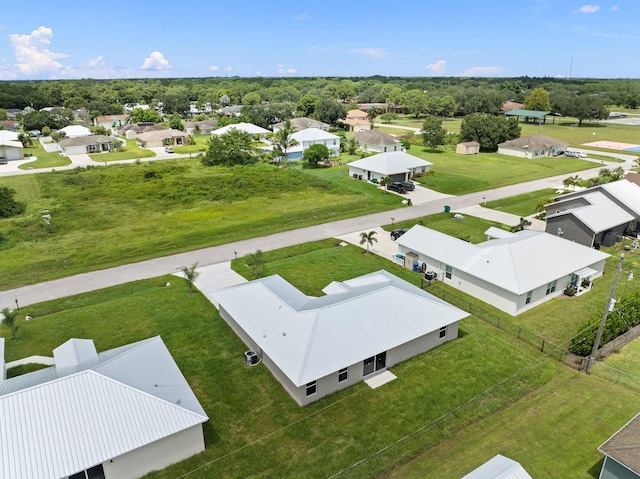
x,y
232,111
75,131
468,148
11,149
253,130
13,113
514,273
600,215
622,452
132,130
398,165
118,414
86,145
357,115
9,135
302,123
111,123
532,146
205,126
313,136
375,140
159,138
315,346
499,467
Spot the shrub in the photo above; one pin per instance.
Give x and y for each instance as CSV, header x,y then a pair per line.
x,y
8,205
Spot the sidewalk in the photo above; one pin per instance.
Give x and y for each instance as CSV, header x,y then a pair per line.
x,y
500,217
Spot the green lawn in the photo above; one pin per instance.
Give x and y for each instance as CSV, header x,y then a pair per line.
x,y
44,159
525,204
199,146
106,216
131,152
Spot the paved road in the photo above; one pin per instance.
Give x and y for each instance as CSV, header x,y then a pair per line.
x,y
169,264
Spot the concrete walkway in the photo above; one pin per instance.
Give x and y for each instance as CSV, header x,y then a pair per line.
x,y
215,277
500,217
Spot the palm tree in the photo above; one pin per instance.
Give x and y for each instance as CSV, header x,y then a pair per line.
x,y
9,320
351,146
190,274
572,181
283,137
385,181
372,114
368,238
524,223
256,262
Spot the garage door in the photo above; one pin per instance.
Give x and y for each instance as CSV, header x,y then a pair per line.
x,y
13,154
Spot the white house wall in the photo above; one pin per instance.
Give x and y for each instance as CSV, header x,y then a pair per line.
x,y
74,150
156,456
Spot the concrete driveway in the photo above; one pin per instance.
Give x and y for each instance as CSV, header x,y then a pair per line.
x,y
385,246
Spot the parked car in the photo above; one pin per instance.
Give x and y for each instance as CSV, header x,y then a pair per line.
x,y
580,154
409,186
3,161
397,187
395,234
169,149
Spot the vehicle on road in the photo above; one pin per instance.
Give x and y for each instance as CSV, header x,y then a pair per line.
x,y
395,234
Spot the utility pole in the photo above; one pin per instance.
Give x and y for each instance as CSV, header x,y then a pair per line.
x,y
603,321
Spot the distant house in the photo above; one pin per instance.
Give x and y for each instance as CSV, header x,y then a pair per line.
x,y
597,216
118,414
9,125
111,123
357,120
468,148
302,123
313,136
514,273
375,140
510,105
499,467
532,147
622,452
75,131
253,130
205,127
9,135
11,150
86,145
398,165
132,130
315,346
159,138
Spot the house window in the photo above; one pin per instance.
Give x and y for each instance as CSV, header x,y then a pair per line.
x,y
443,332
95,472
343,375
312,388
528,299
448,272
551,287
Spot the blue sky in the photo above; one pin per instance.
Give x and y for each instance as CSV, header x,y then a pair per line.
x,y
278,38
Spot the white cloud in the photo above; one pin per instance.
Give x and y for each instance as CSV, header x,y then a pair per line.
x,y
615,8
156,61
588,9
438,67
370,52
228,69
32,53
213,68
288,71
302,17
97,62
482,71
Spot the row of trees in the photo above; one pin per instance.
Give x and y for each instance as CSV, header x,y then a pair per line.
x,y
421,95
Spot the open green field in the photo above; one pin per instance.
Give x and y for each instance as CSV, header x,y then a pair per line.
x,y
106,216
525,204
44,159
448,411
131,152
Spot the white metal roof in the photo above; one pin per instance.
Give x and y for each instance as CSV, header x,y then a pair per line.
x,y
76,130
57,421
391,163
313,134
626,192
498,233
309,338
9,135
519,263
499,467
246,127
11,143
599,215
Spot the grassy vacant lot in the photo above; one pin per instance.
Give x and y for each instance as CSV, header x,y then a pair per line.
x,y
458,174
131,152
525,204
199,146
44,159
449,410
105,216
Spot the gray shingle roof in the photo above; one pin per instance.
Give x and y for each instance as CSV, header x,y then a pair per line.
x,y
376,137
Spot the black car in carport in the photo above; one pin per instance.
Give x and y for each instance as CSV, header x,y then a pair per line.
x,y
395,234
397,187
408,185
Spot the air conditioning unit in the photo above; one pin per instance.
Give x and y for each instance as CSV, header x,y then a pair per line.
x,y
251,358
